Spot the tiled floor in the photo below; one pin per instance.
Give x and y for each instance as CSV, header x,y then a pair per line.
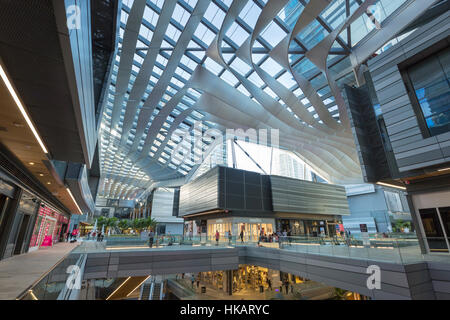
x,y
19,272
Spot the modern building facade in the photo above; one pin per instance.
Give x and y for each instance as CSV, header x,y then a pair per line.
x,y
383,209
407,104
134,109
232,200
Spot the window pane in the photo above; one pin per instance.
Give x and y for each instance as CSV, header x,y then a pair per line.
x,y
432,87
433,230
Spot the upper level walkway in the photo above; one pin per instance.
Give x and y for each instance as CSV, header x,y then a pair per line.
x,y
404,272
19,272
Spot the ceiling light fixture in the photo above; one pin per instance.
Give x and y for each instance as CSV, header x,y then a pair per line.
x,y
73,199
31,163
21,108
445,169
391,185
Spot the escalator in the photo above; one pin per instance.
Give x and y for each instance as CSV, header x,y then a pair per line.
x,y
152,289
145,291
127,287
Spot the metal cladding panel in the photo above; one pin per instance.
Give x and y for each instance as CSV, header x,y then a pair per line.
x,y
298,196
162,205
411,149
200,194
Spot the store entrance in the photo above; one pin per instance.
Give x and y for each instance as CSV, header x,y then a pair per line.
x,y
252,231
19,248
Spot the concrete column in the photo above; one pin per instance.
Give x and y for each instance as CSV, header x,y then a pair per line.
x,y
229,282
417,225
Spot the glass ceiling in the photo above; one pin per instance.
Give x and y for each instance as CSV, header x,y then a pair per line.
x,y
136,140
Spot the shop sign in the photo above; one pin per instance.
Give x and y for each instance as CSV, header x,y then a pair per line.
x,y
48,241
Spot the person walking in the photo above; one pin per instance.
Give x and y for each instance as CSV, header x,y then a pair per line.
x,y
192,281
151,235
230,237
242,235
269,283
217,237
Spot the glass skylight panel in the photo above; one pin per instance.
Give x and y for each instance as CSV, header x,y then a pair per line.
x,y
298,92
270,92
229,78
180,15
242,89
250,13
273,34
237,34
227,57
138,59
146,33
213,66
271,67
240,66
256,79
215,15
257,57
198,54
312,34
287,80
123,16
173,32
160,59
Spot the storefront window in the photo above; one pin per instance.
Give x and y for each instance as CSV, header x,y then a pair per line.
x,y
433,229
430,79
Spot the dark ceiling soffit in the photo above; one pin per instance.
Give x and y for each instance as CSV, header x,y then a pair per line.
x,y
76,56
22,177
105,36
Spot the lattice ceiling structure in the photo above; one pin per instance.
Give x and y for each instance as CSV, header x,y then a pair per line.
x,y
231,64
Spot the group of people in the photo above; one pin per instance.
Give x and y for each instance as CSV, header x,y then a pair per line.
x,y
263,236
95,234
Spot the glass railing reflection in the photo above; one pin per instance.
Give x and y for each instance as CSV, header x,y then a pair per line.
x,y
400,249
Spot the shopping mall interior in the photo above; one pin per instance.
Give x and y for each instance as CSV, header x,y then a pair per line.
x,y
225,150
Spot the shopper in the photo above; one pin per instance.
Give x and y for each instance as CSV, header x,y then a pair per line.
x,y
242,235
192,281
217,237
230,237
151,235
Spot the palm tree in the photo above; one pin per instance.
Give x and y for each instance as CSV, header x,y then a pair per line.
x,y
123,224
112,222
150,223
101,221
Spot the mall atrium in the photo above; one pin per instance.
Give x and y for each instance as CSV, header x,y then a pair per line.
x,y
224,149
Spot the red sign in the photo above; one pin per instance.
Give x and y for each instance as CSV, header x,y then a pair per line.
x,y
48,241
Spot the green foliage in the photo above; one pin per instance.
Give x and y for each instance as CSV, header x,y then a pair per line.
x,y
136,224
340,294
123,224
400,224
